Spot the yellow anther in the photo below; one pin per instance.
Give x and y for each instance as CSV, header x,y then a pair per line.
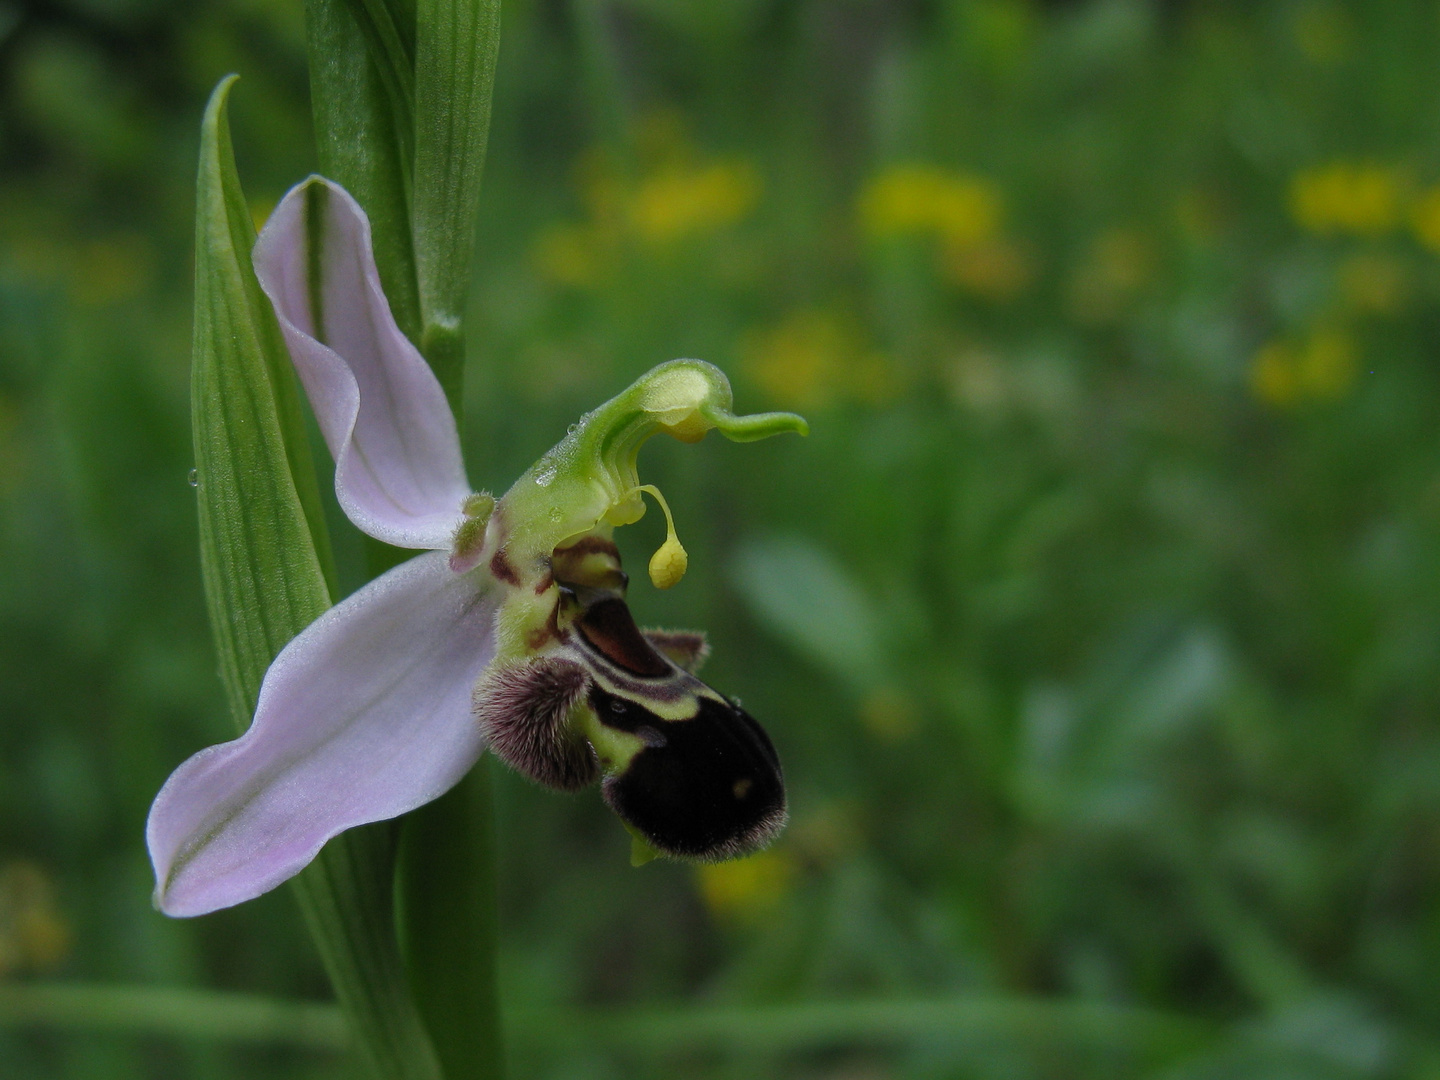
x,y
667,565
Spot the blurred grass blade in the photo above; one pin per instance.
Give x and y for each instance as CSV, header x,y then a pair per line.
x,y
264,581
801,593
174,1012
361,141
1153,1036
457,42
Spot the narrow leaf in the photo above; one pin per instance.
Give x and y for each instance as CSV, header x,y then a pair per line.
x,y
258,546
264,582
457,42
362,135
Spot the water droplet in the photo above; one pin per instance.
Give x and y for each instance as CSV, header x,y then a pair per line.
x,y
555,515
194,478
572,429
546,474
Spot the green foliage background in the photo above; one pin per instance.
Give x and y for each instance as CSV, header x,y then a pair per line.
x,y
1097,622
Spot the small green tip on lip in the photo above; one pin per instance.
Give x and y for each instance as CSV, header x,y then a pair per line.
x,y
757,425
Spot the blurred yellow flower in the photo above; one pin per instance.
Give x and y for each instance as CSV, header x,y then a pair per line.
x,y
812,357
997,270
1323,367
569,254
1363,199
686,200
916,198
747,888
33,935
1425,217
1373,283
679,194
1117,265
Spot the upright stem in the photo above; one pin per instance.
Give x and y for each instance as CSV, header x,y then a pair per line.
x,y
402,112
448,924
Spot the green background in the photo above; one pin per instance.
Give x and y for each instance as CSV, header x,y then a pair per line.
x,y
1097,621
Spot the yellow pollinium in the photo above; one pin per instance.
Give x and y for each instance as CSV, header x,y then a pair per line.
x,y
668,564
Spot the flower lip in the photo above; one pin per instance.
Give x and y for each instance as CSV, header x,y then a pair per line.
x,y
710,790
689,772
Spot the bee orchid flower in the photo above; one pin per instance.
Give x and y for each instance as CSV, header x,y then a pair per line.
x,y
509,631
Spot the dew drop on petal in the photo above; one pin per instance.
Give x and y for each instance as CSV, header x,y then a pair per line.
x,y
194,478
545,475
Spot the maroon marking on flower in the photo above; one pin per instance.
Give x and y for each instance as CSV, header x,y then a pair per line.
x,y
502,570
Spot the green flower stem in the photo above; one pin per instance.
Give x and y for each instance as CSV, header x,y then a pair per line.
x,y
449,924
446,886
402,112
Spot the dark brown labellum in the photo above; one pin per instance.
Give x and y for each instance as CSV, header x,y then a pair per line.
x,y
707,788
703,782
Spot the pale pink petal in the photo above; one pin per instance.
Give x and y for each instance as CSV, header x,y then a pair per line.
x,y
365,715
398,471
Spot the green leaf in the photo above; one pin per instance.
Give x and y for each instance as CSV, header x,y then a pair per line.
x,y
457,42
259,541
265,582
363,134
